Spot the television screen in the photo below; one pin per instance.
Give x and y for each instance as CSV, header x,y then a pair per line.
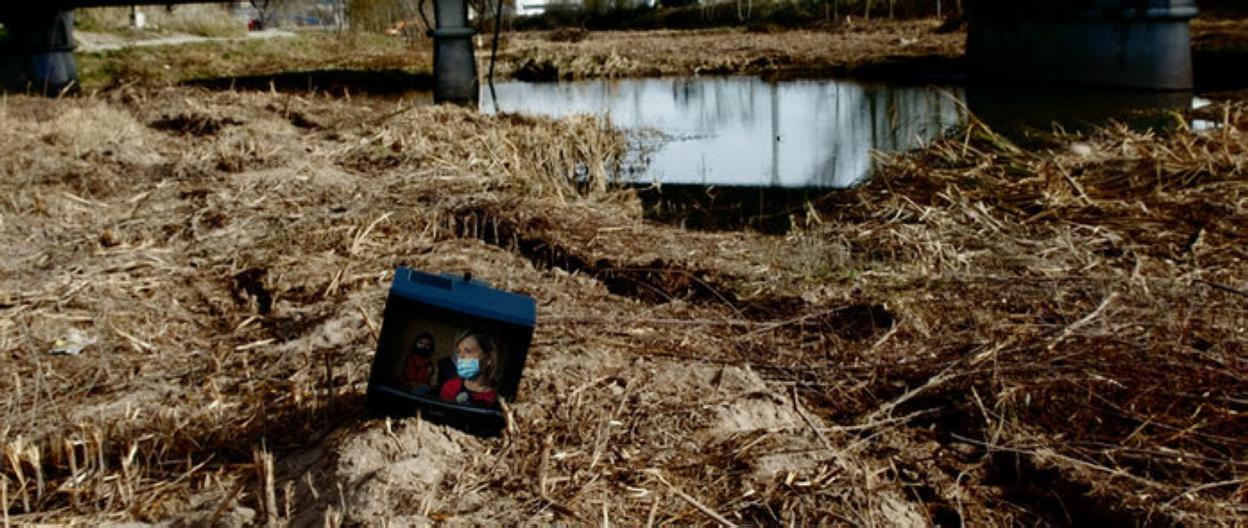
x,y
452,349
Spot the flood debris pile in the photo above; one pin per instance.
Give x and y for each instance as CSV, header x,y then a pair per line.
x,y
981,334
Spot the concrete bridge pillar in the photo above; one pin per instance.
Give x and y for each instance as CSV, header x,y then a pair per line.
x,y
454,62
39,53
1144,44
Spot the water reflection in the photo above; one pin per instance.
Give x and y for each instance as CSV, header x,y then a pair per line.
x,y
1021,112
739,131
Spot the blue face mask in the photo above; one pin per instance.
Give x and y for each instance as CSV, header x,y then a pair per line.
x,y
467,368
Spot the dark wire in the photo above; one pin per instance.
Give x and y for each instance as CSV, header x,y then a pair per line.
x,y
421,9
498,24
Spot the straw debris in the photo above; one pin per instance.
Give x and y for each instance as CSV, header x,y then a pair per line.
x,y
981,334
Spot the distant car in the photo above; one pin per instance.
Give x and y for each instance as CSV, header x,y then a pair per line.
x,y
530,7
255,25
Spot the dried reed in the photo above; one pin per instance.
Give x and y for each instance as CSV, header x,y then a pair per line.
x,y
995,326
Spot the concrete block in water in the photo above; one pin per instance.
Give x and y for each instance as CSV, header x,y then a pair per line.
x,y
1142,44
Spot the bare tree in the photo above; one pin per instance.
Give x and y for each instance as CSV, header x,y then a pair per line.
x,y
267,10
749,10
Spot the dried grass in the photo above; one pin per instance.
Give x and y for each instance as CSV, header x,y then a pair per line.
x,y
323,53
1082,310
160,243
727,51
205,21
996,326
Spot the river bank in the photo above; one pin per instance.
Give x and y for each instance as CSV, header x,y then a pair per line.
x,y
904,50
338,61
912,49
908,52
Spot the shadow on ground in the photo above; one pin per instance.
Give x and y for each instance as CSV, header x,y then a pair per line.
x,y
1220,70
334,82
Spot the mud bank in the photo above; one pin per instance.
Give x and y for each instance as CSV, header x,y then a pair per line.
x,y
912,51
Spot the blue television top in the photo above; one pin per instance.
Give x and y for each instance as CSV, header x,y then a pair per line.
x,y
468,297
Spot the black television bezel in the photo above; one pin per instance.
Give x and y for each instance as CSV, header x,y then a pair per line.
x,y
386,399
